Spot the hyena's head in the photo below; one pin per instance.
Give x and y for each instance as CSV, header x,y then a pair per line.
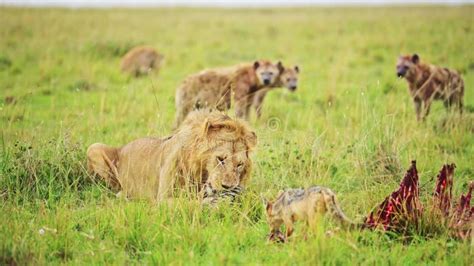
x,y
406,65
289,78
267,73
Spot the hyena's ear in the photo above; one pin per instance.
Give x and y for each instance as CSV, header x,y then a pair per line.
x,y
297,69
280,67
415,58
256,64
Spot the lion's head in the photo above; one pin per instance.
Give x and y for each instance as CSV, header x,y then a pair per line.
x,y
217,150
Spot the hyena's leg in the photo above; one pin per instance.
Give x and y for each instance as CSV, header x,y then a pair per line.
x,y
178,119
447,104
461,99
258,102
181,113
417,103
426,109
241,108
247,110
102,160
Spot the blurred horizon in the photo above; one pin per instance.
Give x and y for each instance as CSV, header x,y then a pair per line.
x,y
221,3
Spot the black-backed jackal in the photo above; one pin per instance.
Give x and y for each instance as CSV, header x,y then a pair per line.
x,y
304,205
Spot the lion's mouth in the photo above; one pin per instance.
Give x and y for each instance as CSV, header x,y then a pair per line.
x,y
212,196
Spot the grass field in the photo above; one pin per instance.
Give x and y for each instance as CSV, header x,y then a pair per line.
x,y
349,126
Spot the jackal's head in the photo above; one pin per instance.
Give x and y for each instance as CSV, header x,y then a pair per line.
x,y
274,218
406,65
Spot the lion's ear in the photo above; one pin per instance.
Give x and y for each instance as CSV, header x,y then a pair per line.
x,y
297,69
210,127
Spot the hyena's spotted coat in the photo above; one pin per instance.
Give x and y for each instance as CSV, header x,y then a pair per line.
x,y
428,82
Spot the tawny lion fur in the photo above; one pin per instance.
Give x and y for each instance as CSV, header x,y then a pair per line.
x,y
141,60
209,149
214,88
428,82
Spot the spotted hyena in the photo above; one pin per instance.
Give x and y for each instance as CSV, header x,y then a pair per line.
x,y
428,82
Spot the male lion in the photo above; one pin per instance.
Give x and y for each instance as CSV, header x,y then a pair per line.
x,y
209,151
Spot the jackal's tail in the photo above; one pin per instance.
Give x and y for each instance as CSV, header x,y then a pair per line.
x,y
337,213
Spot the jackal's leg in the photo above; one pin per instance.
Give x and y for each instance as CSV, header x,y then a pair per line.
x,y
289,222
102,160
313,219
289,230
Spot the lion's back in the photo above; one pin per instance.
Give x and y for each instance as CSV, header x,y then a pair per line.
x,y
139,166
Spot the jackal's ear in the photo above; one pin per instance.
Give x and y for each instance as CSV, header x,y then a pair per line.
x,y
266,203
297,69
415,58
264,200
269,206
280,67
256,64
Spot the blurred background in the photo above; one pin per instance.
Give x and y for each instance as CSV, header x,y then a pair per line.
x,y
222,3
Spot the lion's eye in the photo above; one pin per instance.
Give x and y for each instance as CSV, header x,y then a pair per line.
x,y
220,159
288,80
240,167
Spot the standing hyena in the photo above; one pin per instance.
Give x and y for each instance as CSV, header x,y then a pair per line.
x,y
288,79
214,88
428,82
141,60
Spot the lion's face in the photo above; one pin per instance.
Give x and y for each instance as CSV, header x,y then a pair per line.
x,y
227,165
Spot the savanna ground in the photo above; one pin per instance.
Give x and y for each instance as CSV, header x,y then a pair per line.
x,y
350,126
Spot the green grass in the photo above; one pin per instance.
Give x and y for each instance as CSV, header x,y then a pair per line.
x,y
350,126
